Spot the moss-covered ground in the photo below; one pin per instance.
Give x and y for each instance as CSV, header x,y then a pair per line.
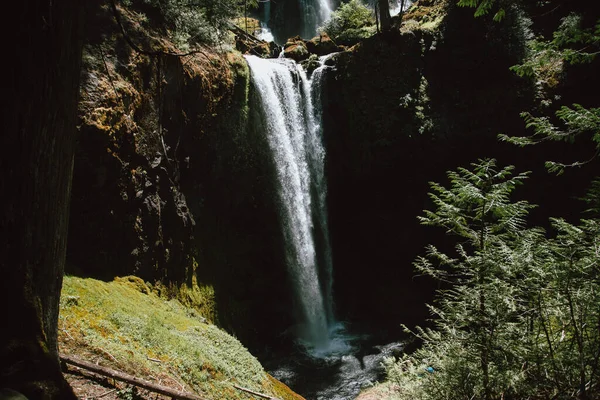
x,y
125,325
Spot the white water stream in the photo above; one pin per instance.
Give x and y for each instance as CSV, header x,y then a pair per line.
x,y
292,120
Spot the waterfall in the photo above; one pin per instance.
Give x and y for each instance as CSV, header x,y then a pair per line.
x,y
291,107
313,90
314,14
311,14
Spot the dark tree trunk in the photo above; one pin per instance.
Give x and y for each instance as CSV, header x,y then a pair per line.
x,y
384,15
42,56
377,16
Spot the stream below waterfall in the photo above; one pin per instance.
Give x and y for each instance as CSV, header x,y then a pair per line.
x,y
339,375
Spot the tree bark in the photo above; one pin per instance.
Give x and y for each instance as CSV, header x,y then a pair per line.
x,y
43,40
384,15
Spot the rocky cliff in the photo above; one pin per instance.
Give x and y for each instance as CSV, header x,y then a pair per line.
x,y
173,178
169,181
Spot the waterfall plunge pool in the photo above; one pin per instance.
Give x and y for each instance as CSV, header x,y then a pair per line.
x,y
352,362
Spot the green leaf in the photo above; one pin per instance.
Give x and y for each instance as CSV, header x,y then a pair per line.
x,y
499,16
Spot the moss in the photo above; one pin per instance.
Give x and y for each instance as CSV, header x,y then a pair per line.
x,y
118,323
424,15
281,390
135,282
241,73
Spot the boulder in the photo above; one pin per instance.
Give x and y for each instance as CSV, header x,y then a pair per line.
x,y
322,45
261,49
295,48
310,64
274,50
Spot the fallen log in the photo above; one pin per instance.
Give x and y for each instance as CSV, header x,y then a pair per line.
x,y
121,376
239,31
264,396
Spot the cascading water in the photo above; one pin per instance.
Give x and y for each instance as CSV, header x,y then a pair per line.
x,y
292,120
335,364
313,90
314,13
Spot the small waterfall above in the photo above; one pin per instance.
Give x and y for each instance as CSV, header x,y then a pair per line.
x,y
291,108
314,14
398,5
265,33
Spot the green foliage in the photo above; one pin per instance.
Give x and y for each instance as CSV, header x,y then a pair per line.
x,y
483,7
592,199
477,202
350,23
518,314
481,306
567,290
571,44
195,21
574,121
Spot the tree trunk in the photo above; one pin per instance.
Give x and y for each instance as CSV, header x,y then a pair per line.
x,y
384,15
43,40
377,16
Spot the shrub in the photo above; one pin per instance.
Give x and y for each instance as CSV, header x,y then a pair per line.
x,y
350,23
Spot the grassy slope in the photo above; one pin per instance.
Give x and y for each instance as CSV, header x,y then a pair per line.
x,y
122,323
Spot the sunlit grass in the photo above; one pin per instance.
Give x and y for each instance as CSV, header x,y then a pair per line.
x,y
124,324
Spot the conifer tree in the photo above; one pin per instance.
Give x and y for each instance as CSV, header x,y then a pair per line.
x,y
518,315
479,313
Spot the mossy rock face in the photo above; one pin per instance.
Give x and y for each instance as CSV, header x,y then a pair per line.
x,y
352,36
156,164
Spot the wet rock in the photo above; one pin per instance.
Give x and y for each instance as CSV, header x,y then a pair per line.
x,y
310,64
